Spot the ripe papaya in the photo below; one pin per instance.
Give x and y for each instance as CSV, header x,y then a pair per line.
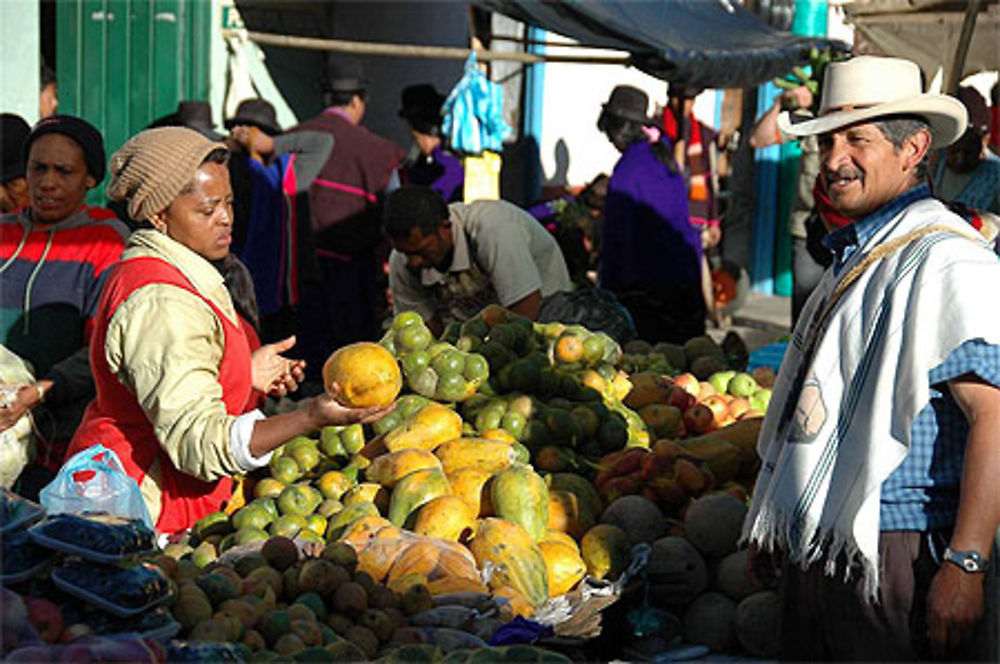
x,y
426,429
470,484
581,487
520,495
417,488
446,517
490,455
723,459
564,565
604,551
394,466
517,562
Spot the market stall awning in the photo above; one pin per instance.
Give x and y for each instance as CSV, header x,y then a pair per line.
x,y
705,43
927,32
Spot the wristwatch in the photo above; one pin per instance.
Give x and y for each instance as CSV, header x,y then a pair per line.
x,y
968,561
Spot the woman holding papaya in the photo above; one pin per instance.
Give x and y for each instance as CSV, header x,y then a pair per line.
x,y
170,357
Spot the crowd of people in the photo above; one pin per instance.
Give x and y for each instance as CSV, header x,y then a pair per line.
x,y
158,326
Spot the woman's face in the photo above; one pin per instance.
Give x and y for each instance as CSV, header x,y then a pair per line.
x,y
57,177
201,217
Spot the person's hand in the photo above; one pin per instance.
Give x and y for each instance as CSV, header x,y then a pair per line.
x,y
796,98
764,567
26,398
274,374
253,140
954,606
326,410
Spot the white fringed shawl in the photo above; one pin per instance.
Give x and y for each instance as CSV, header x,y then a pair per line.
x,y
828,445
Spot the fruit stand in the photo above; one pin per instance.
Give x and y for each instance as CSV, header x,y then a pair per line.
x,y
537,494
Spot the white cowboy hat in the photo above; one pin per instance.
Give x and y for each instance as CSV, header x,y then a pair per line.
x,y
869,87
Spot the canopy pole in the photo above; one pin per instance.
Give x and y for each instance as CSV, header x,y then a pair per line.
x,y
410,50
962,49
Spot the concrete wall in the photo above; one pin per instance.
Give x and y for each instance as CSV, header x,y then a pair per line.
x,y
20,58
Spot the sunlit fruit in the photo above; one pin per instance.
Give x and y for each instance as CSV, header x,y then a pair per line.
x,y
367,374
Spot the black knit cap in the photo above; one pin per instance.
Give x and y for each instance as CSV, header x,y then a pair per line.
x,y
13,131
81,131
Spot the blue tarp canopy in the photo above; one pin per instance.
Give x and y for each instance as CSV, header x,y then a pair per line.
x,y
702,43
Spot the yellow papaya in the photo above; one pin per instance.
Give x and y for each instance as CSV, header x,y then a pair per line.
x,y
426,429
420,557
604,551
520,495
417,488
723,459
388,469
562,538
470,484
489,455
367,492
582,488
566,515
564,565
516,561
446,517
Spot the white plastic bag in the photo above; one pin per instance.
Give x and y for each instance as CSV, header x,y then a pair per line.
x,y
17,444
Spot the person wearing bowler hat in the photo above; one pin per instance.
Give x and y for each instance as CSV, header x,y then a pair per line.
x,y
13,185
55,254
346,218
192,114
432,165
271,172
876,499
652,255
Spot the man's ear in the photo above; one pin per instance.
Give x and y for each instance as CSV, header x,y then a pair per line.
x,y
158,222
915,147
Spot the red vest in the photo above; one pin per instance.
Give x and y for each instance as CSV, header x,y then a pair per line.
x,y
115,419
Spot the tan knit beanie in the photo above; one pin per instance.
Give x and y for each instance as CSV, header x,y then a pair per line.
x,y
154,166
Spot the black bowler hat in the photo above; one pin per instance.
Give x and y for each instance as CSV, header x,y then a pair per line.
x,y
257,113
195,115
345,74
628,103
13,131
421,102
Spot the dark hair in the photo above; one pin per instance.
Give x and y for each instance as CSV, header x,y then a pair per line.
x,y
218,156
898,128
48,76
623,131
413,207
426,126
341,98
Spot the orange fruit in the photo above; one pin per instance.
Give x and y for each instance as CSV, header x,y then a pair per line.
x,y
367,373
568,349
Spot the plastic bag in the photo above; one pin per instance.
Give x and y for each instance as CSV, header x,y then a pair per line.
x,y
473,112
94,481
596,309
17,444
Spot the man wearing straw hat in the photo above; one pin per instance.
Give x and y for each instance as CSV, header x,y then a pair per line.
x,y
876,498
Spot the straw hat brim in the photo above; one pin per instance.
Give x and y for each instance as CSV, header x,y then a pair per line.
x,y
946,116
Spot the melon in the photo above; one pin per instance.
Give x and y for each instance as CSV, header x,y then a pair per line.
x,y
367,373
677,571
711,621
714,523
732,578
638,517
758,623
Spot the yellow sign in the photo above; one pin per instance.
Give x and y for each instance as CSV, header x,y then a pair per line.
x,y
482,177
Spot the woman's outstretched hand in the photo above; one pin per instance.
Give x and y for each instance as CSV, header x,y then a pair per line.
x,y
327,410
274,374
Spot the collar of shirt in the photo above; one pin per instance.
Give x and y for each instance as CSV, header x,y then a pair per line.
x,y
338,111
459,258
845,241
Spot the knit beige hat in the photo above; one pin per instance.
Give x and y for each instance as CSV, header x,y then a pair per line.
x,y
154,166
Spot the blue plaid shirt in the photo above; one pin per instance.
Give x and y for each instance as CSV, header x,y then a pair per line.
x,y
922,493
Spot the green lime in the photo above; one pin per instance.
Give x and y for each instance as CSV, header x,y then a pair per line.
x,y
424,382
448,362
406,319
413,337
468,344
476,367
451,387
488,419
415,361
514,423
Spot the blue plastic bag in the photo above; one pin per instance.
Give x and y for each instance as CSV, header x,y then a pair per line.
x,y
94,480
473,113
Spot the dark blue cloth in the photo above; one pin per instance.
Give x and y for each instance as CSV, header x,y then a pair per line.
x,y
442,172
269,249
648,238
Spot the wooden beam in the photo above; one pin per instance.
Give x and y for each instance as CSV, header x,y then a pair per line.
x,y
417,51
962,49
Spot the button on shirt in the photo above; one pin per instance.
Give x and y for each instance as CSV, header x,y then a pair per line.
x,y
922,493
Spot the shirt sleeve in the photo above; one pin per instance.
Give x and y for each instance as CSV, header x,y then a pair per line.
x,y
974,356
503,252
312,149
408,294
171,364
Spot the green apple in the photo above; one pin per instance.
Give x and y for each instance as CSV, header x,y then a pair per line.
x,y
760,399
720,381
742,385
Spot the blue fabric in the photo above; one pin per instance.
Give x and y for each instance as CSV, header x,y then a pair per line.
x,y
982,192
843,242
648,238
922,493
270,235
473,112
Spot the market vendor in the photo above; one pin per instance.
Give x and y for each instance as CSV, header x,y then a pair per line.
x,y
453,260
433,165
55,255
170,358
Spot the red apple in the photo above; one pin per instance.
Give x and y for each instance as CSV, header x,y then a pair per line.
x,y
719,407
738,406
705,390
699,419
680,398
689,383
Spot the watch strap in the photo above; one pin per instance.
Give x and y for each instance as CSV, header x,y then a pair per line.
x,y
971,562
